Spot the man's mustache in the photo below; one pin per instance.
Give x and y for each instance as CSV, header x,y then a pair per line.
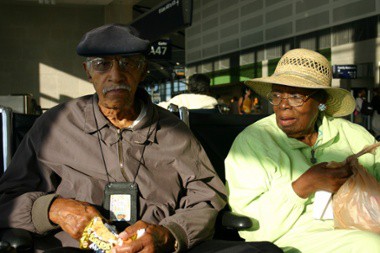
x,y
116,87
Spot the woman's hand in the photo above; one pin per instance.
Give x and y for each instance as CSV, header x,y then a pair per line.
x,y
72,215
155,239
323,176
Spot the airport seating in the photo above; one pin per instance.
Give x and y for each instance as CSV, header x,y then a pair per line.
x,y
13,128
216,133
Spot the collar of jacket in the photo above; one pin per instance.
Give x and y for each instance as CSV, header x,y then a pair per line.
x,y
144,131
327,134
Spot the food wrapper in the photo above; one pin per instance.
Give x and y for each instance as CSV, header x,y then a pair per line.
x,y
99,236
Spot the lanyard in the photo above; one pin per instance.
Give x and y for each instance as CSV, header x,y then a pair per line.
x,y
121,162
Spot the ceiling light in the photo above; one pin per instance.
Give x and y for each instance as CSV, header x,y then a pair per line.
x,y
52,2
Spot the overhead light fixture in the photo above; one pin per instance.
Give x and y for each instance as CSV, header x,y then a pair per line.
x,y
52,2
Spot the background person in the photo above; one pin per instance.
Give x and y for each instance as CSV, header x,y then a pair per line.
x,y
359,117
375,104
62,170
198,96
276,165
234,105
246,101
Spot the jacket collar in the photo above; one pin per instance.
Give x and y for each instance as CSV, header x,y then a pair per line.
x,y
144,131
327,134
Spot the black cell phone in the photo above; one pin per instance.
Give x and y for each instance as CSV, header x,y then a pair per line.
x,y
120,199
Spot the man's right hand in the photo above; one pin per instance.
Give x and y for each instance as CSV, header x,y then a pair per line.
x,y
72,215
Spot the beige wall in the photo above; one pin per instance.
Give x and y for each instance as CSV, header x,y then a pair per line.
x,y
38,48
120,11
367,51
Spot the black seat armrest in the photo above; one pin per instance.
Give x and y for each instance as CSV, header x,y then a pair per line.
x,y
236,221
19,239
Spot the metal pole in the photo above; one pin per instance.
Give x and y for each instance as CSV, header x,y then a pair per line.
x,y
184,115
6,127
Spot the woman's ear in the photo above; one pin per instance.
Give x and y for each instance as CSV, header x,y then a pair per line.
x,y
321,96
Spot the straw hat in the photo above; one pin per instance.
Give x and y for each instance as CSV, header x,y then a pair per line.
x,y
304,68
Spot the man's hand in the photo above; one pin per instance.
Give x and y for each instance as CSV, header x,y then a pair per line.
x,y
322,176
155,239
72,215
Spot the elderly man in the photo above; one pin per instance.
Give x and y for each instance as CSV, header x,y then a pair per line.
x,y
115,155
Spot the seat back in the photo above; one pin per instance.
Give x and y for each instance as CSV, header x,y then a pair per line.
x,y
14,126
21,123
216,133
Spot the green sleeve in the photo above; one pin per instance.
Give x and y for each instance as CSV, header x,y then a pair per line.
x,y
258,189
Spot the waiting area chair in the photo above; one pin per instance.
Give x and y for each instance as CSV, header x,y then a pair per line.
x,y
216,133
13,128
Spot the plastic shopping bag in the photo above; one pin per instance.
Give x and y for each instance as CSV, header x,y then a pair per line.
x,y
356,205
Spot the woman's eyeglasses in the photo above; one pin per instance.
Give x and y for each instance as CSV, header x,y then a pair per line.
x,y
293,99
126,64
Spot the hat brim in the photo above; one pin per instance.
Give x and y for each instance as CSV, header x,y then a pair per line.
x,y
340,102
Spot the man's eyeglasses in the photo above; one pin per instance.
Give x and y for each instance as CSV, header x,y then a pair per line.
x,y
293,99
126,64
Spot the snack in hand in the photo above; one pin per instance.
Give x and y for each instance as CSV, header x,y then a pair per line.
x,y
99,236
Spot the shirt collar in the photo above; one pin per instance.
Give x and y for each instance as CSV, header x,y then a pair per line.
x,y
141,115
327,133
144,128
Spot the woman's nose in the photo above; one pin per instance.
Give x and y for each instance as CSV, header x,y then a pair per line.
x,y
284,103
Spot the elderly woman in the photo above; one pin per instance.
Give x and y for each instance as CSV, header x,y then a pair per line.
x,y
276,165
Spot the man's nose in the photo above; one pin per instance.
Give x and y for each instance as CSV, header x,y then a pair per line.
x,y
116,73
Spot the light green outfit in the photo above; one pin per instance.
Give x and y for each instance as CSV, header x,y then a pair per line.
x,y
262,164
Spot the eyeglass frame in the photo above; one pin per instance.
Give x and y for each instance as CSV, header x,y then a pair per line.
x,y
89,62
304,99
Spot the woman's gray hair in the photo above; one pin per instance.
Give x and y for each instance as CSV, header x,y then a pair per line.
x,y
321,96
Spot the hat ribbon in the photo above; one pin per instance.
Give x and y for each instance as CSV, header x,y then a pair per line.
x,y
307,77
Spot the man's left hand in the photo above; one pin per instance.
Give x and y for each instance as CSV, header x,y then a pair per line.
x,y
155,239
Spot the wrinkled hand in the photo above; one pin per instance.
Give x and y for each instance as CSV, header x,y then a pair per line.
x,y
72,215
155,239
322,176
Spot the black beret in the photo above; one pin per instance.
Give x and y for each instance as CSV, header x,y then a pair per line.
x,y
112,39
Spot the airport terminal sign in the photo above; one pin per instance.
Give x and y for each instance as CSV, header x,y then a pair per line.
x,y
160,49
169,16
345,71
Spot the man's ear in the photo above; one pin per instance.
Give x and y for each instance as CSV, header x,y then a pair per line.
x,y
87,71
144,72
